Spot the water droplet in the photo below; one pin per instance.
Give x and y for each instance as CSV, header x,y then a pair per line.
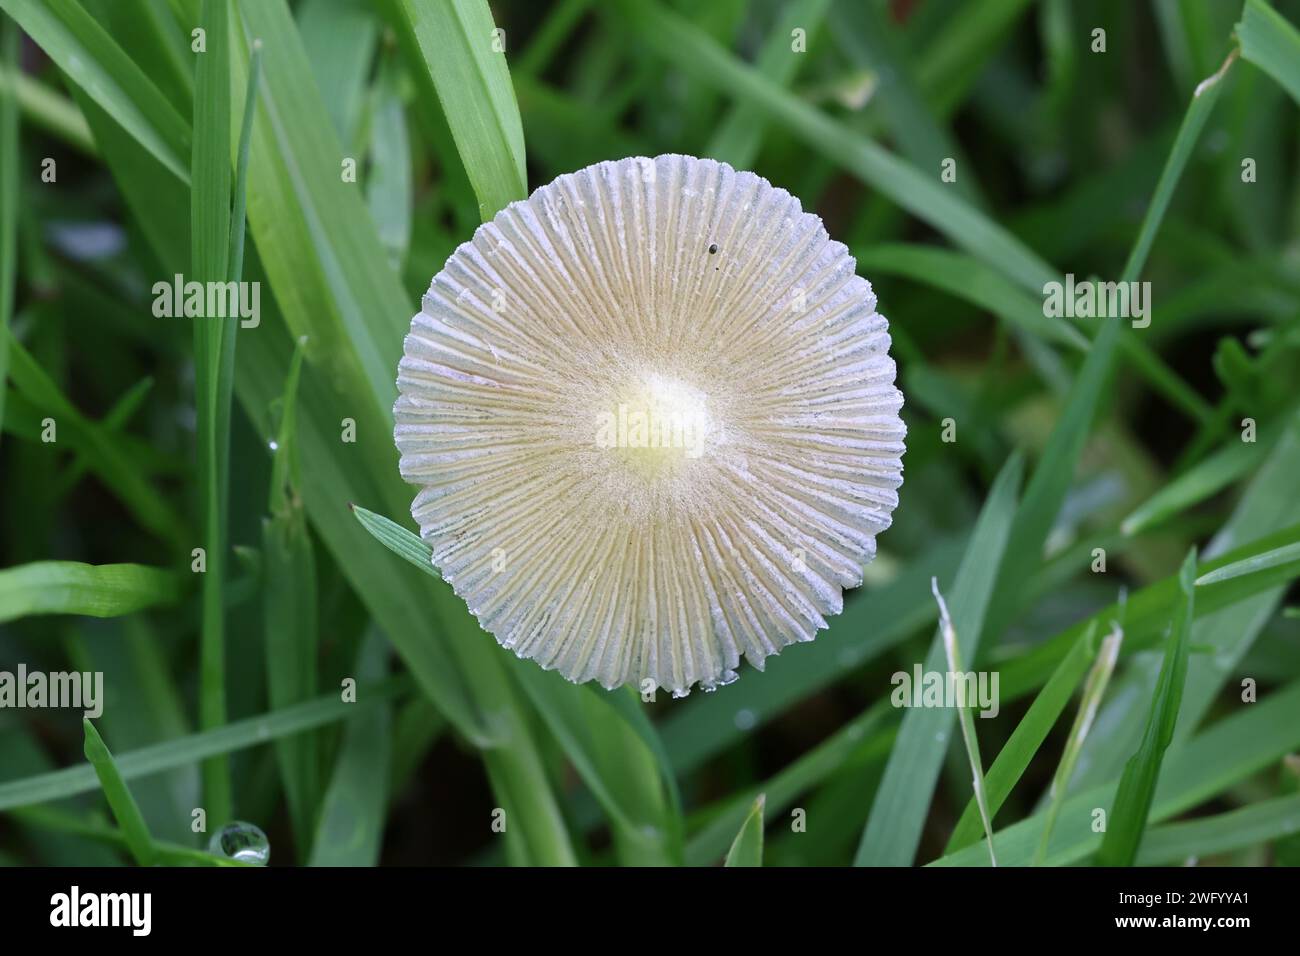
x,y
243,842
273,445
746,719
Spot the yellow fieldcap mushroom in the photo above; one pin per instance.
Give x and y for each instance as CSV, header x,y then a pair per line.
x,y
652,415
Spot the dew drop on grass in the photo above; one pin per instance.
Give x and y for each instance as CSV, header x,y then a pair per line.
x,y
746,719
243,842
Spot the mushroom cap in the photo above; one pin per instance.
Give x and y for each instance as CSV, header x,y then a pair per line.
x,y
652,416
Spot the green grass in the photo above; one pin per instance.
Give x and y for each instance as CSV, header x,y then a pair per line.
x,y
337,151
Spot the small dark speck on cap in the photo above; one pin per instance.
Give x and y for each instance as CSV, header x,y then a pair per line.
x,y
713,248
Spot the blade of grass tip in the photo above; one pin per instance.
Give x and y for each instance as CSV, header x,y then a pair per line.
x,y
898,813
94,62
964,717
1272,44
465,57
1093,690
351,826
1024,743
95,590
1276,558
193,748
405,544
214,344
1194,120
8,195
1127,820
289,616
747,849
125,809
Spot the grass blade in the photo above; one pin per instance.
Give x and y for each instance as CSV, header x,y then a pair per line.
x,y
1288,554
352,815
95,590
1052,478
389,189
747,850
1093,690
616,765
405,544
185,751
1172,844
1127,820
898,813
1193,486
1198,113
134,830
460,53
214,356
165,853
340,37
289,617
1014,757
1272,44
94,62
967,278
964,717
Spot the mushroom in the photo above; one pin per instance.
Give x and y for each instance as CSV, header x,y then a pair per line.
x,y
652,416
